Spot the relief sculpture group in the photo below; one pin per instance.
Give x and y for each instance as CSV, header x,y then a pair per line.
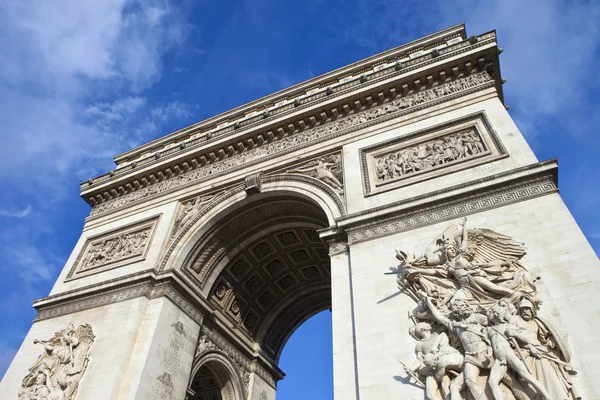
x,y
58,370
478,332
438,152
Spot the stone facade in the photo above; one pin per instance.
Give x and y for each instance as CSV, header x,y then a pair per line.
x,y
207,248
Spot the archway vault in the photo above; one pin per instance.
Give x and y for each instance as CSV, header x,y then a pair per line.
x,y
263,267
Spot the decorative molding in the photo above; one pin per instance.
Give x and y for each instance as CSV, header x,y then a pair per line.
x,y
212,341
224,194
292,139
312,181
147,287
119,247
177,236
438,211
393,65
430,153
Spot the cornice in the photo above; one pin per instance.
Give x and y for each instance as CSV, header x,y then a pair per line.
x,y
437,39
376,109
196,141
142,284
472,197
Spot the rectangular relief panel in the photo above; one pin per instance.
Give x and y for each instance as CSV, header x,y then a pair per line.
x,y
114,249
430,153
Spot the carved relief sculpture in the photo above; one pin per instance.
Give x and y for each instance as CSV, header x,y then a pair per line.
x,y
476,321
327,169
439,152
190,209
58,370
124,246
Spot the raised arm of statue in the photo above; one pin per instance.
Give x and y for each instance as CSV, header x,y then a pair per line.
x,y
464,241
437,314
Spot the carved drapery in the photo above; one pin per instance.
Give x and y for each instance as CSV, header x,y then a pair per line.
x,y
476,322
327,169
58,370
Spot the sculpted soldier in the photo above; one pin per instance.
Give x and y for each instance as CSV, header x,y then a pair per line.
x,y
503,334
549,363
469,327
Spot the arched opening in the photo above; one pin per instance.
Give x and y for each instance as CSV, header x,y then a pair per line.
x,y
264,269
213,378
205,385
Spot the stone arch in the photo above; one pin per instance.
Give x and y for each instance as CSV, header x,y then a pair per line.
x,y
218,367
259,261
234,197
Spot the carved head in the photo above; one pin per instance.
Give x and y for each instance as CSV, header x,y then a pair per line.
x,y
422,331
40,379
62,383
500,311
526,309
461,309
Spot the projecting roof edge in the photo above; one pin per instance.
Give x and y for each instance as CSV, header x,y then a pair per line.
x,y
448,33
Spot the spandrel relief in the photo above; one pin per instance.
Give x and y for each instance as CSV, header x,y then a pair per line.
x,y
476,324
58,370
327,169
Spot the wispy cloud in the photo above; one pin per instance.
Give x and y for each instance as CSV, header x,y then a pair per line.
x,y
74,83
16,214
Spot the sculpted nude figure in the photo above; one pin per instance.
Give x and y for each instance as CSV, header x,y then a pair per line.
x,y
323,174
434,358
469,327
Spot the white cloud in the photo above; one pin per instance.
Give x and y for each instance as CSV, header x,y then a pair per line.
x,y
16,214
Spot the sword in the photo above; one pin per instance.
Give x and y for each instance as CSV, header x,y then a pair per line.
x,y
412,374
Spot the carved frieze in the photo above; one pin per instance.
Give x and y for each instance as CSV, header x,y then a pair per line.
x,y
298,139
438,212
57,372
430,153
476,323
114,249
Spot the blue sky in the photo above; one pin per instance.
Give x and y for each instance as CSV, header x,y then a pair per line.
x,y
83,80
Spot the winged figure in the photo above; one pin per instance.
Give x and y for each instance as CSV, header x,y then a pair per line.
x,y
470,285
327,169
478,265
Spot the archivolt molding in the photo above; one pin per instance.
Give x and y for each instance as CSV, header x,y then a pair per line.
x,y
323,201
307,187
284,141
211,341
232,376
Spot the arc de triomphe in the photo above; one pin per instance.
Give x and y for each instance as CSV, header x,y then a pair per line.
x,y
205,249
